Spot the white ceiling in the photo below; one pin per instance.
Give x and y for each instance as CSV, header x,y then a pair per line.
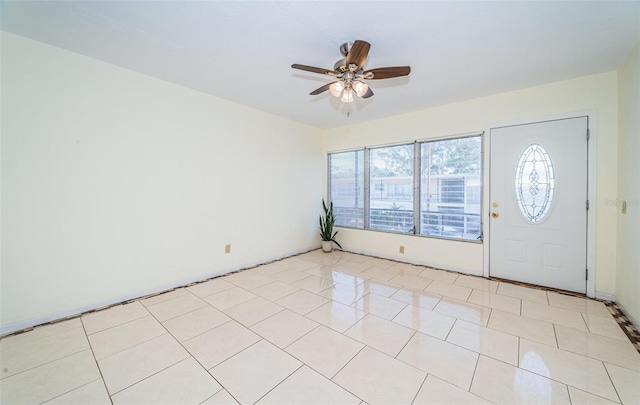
x,y
242,50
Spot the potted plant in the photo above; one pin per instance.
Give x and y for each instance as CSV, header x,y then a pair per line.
x,y
327,220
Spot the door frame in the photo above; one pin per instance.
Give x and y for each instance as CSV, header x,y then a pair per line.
x,y
591,188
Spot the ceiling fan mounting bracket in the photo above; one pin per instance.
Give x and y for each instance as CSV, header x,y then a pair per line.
x,y
345,48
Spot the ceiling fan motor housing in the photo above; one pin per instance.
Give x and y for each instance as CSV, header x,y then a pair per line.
x,y
340,66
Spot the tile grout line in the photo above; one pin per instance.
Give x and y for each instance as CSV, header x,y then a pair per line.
x,y
187,294
354,324
120,324
285,348
420,388
104,383
401,361
208,371
44,364
611,381
555,335
451,328
279,298
53,361
202,333
317,371
198,361
475,369
136,345
47,336
569,385
342,368
569,395
520,307
302,364
151,375
77,388
349,361
233,355
405,345
167,332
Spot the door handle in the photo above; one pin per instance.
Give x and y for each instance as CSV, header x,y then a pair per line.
x,y
495,214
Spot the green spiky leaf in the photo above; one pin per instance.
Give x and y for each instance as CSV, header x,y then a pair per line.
x,y
326,222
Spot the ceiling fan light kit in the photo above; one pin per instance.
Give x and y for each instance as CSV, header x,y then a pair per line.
x,y
336,88
350,73
347,96
360,88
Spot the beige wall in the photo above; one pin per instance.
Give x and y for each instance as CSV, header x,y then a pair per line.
x,y
597,92
115,184
628,277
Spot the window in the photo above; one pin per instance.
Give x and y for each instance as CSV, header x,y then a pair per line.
x,y
346,176
450,183
429,188
391,191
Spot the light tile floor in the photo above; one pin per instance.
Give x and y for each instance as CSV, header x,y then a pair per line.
x,y
333,328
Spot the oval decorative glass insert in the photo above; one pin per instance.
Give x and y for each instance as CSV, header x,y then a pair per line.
x,y
535,182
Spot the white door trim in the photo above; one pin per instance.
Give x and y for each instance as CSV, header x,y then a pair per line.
x,y
591,189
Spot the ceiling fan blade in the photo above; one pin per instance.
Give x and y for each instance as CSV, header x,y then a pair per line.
x,y
314,69
358,54
368,94
387,72
321,89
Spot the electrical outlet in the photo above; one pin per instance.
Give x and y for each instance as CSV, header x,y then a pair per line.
x,y
402,249
227,248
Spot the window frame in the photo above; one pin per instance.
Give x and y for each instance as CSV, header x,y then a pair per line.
x,y
417,183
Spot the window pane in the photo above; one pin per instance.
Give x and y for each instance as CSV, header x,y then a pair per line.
x,y
391,188
346,179
450,188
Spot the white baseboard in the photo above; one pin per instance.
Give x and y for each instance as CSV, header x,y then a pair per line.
x,y
59,316
605,296
71,313
417,262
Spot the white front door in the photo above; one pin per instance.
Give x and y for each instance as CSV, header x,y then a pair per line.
x,y
538,203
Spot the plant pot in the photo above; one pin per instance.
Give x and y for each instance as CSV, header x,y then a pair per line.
x,y
327,246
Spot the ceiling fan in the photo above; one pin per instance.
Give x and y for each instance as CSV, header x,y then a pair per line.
x,y
350,72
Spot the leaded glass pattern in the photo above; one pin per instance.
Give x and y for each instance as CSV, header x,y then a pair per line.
x,y
535,182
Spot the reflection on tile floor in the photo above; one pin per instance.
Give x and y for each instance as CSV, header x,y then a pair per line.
x,y
335,328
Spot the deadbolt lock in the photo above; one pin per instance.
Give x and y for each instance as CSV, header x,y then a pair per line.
x,y
495,214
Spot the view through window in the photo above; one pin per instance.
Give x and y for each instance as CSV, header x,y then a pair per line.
x,y
450,188
429,188
391,188
346,189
